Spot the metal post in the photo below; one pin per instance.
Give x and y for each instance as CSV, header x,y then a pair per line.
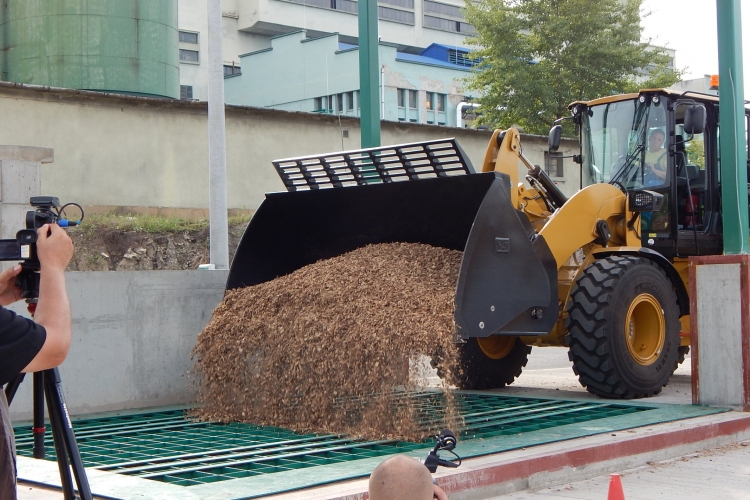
x,y
368,73
734,195
217,155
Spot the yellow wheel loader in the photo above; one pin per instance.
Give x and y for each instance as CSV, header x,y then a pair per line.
x,y
603,272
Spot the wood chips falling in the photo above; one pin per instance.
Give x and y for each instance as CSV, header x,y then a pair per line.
x,y
326,349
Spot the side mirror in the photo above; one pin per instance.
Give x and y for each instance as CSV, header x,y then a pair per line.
x,y
554,137
695,119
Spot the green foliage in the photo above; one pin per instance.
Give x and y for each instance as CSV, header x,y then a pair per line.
x,y
145,223
695,153
151,224
537,56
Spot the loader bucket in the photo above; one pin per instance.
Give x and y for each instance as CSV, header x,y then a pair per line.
x,y
501,266
414,193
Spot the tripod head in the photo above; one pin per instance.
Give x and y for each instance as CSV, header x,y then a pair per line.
x,y
23,247
446,441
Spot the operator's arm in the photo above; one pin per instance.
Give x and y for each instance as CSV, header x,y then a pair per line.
x,y
54,249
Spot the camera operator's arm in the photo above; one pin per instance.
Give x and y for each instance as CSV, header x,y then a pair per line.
x,y
54,249
438,493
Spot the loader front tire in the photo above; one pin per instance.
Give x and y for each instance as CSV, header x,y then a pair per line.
x,y
623,328
491,363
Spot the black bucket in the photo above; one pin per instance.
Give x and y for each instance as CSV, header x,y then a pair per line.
x,y
508,278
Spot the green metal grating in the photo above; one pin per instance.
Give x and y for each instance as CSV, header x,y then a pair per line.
x,y
165,446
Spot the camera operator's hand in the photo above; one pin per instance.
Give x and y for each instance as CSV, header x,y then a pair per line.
x,y
438,493
53,247
9,292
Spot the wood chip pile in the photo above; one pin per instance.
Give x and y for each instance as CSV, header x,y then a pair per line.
x,y
326,349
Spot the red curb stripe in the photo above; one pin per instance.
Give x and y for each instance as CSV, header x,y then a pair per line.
x,y
493,475
497,474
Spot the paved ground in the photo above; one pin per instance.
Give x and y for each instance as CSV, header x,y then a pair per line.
x,y
721,473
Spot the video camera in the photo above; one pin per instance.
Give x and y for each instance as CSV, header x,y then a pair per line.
x,y
23,247
446,441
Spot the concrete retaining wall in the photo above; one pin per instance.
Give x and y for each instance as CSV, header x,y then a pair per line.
x,y
132,337
120,151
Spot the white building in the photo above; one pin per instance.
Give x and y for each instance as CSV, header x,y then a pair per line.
x,y
249,25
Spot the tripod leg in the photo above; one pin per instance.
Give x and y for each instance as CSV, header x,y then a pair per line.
x,y
66,446
56,425
38,429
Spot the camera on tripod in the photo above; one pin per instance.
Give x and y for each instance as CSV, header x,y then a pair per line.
x,y
23,247
446,441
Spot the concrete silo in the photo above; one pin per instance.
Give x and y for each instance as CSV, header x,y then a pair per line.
x,y
124,46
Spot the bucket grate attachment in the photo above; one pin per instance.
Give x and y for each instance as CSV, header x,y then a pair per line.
x,y
423,160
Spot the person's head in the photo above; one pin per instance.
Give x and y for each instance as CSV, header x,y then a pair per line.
x,y
400,477
656,140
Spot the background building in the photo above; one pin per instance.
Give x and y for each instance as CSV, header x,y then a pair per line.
x,y
321,75
422,56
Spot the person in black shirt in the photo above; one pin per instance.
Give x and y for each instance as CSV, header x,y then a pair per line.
x,y
32,346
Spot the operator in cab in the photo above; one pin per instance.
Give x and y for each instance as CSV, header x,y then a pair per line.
x,y
656,159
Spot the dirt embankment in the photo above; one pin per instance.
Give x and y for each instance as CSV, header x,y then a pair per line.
x,y
102,248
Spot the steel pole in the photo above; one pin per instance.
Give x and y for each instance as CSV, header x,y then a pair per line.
x,y
734,192
368,74
217,154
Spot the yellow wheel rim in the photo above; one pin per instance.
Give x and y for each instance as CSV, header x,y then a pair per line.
x,y
497,346
645,329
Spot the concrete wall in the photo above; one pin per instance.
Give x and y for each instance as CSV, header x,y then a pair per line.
x,y
132,337
119,151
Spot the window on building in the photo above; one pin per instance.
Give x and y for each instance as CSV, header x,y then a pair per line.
x,y
443,9
329,107
318,104
188,37
553,164
186,92
189,56
339,103
232,70
407,4
430,99
342,5
441,98
445,17
397,15
349,101
413,99
401,93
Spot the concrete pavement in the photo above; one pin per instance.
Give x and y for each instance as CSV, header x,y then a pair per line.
x,y
718,473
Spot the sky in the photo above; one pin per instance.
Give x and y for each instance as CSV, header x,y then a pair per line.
x,y
689,27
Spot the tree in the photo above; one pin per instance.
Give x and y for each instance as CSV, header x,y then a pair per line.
x,y
534,57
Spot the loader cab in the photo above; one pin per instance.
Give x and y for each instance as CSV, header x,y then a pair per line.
x,y
646,141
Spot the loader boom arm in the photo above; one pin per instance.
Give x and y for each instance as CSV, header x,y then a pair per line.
x,y
504,151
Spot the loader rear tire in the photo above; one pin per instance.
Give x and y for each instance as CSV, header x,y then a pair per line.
x,y
490,363
623,328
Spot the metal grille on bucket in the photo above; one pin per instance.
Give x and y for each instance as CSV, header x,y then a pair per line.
x,y
424,160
